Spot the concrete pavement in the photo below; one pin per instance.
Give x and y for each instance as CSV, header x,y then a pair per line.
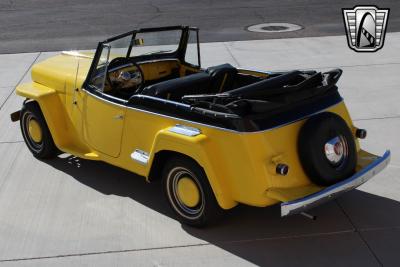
x,y
70,211
51,25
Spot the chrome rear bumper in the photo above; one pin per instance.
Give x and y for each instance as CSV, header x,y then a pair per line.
x,y
333,191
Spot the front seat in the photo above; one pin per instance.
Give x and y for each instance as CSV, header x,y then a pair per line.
x,y
175,89
222,78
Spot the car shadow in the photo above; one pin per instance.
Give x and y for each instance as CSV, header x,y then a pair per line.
x,y
260,235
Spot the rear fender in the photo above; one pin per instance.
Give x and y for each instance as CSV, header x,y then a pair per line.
x,y
193,147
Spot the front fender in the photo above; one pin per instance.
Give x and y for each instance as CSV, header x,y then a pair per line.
x,y
34,91
52,105
194,147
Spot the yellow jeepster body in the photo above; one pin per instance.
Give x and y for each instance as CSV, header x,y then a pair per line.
x,y
240,165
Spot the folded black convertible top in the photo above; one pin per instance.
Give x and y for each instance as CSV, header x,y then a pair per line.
x,y
280,89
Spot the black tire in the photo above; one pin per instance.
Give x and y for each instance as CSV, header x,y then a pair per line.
x,y
45,148
207,211
323,165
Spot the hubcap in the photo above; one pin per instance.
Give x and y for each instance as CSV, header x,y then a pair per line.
x,y
185,193
188,192
34,130
336,151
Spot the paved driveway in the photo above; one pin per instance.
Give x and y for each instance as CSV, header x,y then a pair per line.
x,y
51,25
70,211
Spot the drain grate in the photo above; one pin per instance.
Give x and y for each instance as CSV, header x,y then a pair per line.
x,y
274,27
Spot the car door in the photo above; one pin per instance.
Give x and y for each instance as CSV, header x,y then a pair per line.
x,y
104,122
103,115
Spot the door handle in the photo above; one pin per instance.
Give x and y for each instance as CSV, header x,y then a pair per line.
x,y
118,117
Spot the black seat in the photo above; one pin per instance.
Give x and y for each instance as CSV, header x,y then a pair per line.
x,y
222,78
174,89
215,80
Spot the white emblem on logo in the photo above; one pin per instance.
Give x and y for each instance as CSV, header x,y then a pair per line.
x,y
365,27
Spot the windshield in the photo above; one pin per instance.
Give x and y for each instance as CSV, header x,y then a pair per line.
x,y
145,43
134,44
156,42
120,47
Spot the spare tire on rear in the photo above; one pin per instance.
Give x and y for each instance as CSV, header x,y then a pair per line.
x,y
327,149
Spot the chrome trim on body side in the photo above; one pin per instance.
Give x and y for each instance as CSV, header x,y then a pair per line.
x,y
185,130
140,156
333,191
199,123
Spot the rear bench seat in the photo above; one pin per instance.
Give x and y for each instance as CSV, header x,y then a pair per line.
x,y
216,79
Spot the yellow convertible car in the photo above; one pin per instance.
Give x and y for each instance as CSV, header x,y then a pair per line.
x,y
215,137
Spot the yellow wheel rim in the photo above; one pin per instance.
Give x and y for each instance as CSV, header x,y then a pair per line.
x,y
188,192
35,131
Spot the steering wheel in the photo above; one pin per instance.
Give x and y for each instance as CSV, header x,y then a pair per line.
x,y
126,77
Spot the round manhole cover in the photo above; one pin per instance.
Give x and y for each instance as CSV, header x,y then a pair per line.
x,y
274,27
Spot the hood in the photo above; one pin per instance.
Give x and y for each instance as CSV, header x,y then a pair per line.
x,y
61,72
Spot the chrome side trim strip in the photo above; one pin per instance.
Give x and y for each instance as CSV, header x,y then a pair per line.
x,y
140,156
161,115
185,130
207,125
331,192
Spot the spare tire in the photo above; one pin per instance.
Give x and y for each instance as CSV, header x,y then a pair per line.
x,y
327,149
